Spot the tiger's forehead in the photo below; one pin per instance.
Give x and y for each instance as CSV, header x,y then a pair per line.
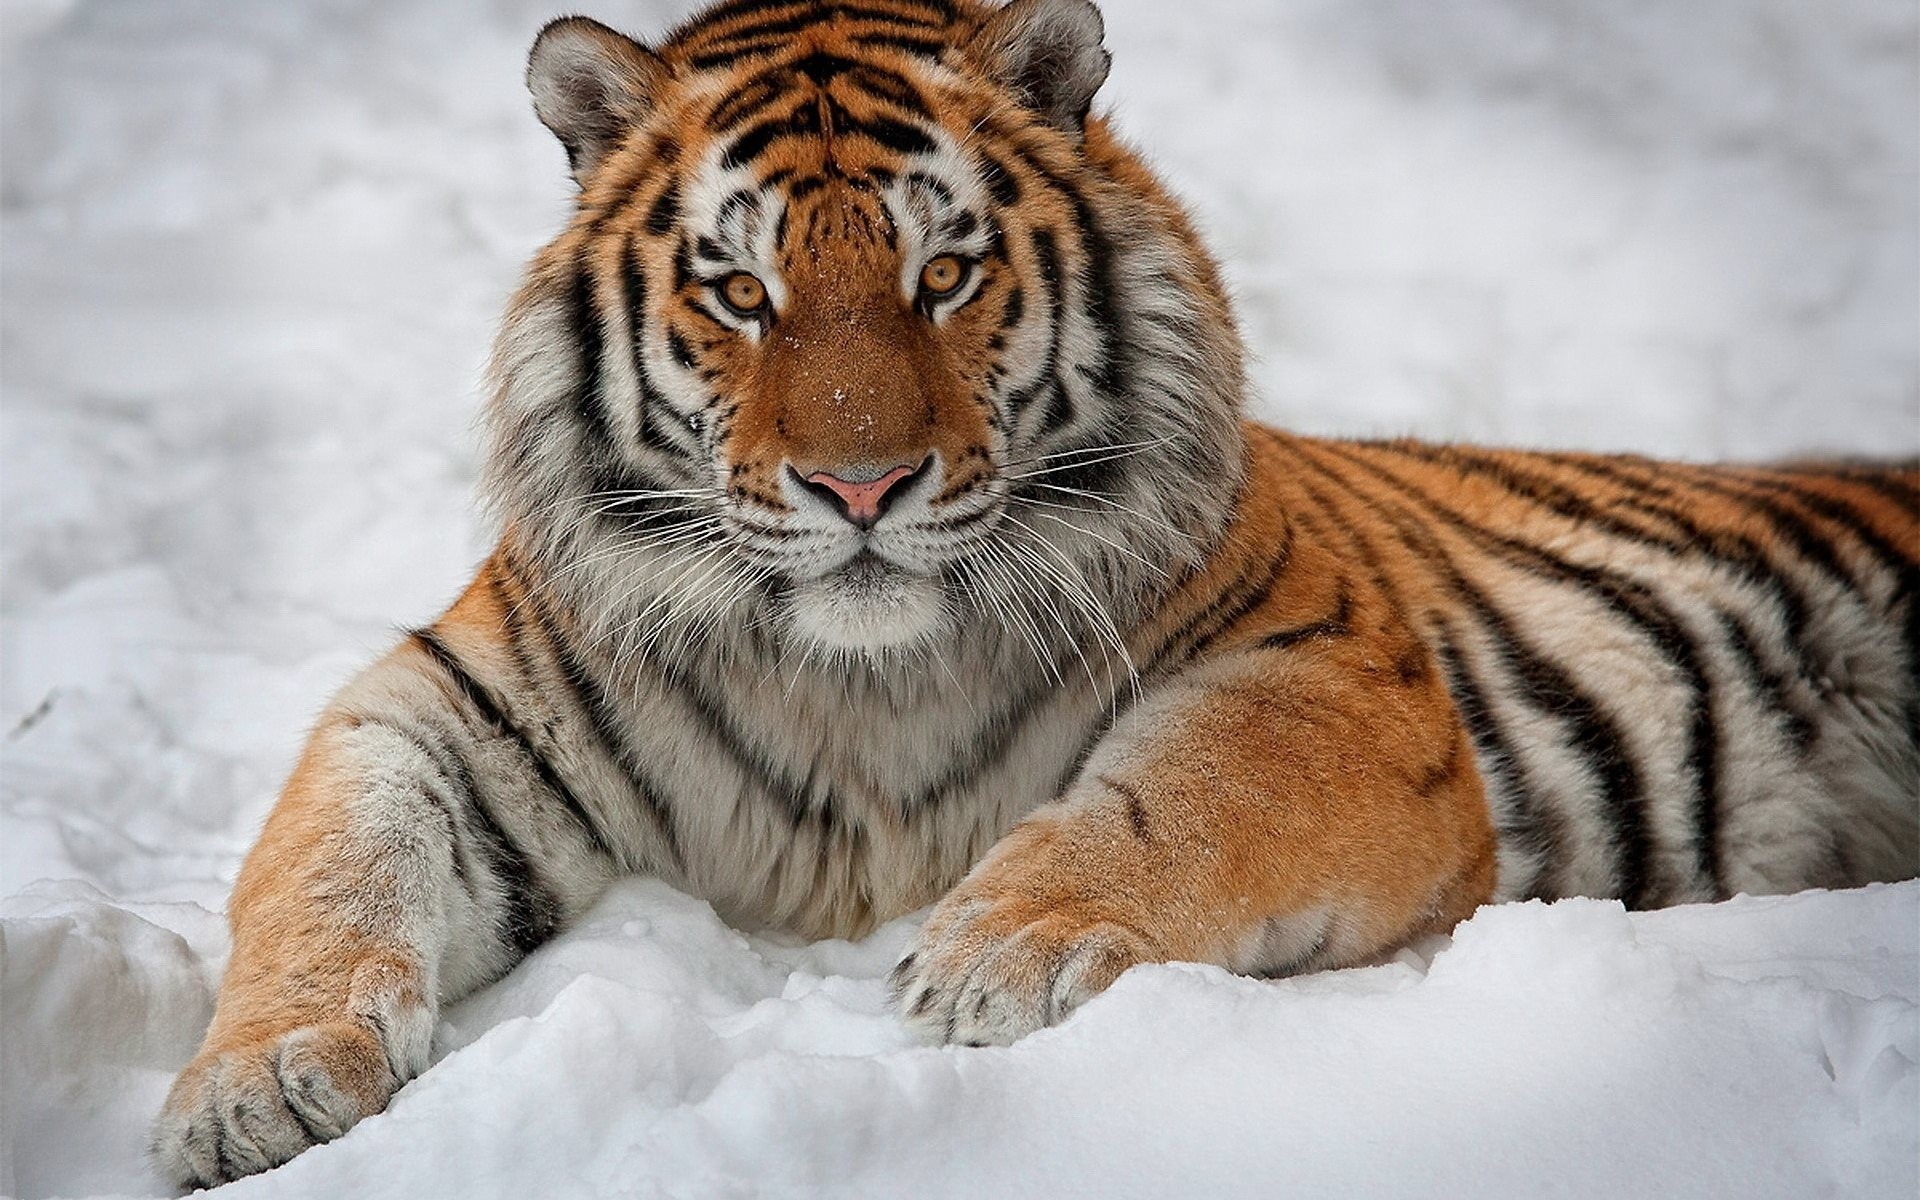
x,y
826,143
723,34
805,95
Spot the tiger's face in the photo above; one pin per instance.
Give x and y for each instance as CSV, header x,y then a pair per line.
x,y
831,331
843,299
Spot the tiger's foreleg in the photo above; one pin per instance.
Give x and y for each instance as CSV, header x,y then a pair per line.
x,y
415,853
1305,800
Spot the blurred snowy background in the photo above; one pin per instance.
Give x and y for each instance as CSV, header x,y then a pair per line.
x,y
251,255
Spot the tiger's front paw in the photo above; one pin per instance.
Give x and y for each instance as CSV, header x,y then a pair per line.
x,y
240,1111
989,969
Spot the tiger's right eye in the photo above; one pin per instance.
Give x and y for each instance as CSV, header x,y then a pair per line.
x,y
743,293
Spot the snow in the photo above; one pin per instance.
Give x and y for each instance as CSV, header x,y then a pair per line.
x,y
1763,1047
253,254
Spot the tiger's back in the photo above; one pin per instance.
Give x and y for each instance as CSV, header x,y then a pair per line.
x,y
1681,682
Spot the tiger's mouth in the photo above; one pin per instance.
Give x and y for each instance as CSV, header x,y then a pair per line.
x,y
868,603
866,570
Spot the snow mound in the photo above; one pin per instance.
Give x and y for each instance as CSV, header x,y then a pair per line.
x,y
1762,1047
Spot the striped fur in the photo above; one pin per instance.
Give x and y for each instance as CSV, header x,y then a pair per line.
x,y
1117,677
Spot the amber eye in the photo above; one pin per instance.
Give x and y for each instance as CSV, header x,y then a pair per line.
x,y
943,276
743,293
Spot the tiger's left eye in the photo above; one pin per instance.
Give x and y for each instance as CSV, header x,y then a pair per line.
x,y
743,293
943,276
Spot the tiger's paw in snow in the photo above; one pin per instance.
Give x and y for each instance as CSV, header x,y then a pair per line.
x,y
990,968
248,1109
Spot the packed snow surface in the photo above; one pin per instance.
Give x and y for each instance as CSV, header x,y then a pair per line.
x,y
253,254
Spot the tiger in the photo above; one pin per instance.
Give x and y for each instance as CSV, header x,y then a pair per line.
x,y
881,526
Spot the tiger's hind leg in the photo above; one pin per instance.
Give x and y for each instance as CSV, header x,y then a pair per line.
x,y
1307,799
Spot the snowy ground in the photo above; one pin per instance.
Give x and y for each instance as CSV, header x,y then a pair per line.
x,y
250,258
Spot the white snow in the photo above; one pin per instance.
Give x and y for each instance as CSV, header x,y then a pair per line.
x,y
250,258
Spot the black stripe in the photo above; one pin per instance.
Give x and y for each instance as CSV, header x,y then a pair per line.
x,y
821,67
1055,416
801,121
780,227
529,913
717,722
782,27
682,264
706,19
733,54
653,406
665,210
495,716
935,16
774,31
1014,308
1363,549
749,98
590,700
1098,287
516,629
1000,181
1839,512
878,84
1337,624
589,401
1545,687
1521,819
920,47
901,137
1740,553
1771,686
993,741
1531,823
891,87
1789,526
938,187
1233,602
1906,580
450,776
1883,480
1046,256
1633,602
1816,548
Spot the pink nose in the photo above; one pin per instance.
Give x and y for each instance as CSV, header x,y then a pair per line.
x,y
860,501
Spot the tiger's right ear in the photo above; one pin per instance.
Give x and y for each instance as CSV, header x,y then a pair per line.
x,y
590,85
1048,54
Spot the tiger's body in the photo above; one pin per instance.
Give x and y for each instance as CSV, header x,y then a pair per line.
x,y
880,525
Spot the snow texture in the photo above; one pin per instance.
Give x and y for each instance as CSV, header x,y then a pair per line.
x,y
253,255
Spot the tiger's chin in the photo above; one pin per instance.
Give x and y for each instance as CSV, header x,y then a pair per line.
x,y
868,605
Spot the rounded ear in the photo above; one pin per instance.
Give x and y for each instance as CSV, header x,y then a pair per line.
x,y
590,85
1048,54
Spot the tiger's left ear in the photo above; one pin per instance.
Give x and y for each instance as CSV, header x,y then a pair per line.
x,y
1048,54
590,85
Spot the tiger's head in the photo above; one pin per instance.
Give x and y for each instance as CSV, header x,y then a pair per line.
x,y
864,331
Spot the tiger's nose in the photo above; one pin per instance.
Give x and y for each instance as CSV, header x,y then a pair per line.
x,y
861,495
